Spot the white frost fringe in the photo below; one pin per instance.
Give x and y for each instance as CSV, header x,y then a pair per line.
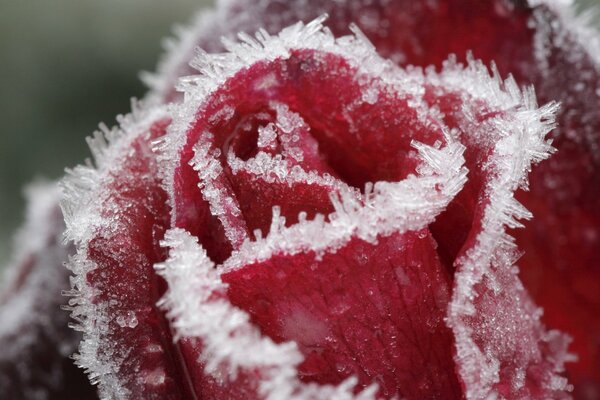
x,y
83,196
230,343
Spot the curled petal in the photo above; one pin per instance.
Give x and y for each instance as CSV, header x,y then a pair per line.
x,y
116,215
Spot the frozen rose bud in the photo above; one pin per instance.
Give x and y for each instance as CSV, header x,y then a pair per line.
x,y
35,339
327,225
539,42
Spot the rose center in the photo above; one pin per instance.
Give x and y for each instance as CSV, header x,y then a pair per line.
x,y
289,133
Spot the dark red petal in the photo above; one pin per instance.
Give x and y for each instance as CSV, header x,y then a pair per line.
x,y
374,311
228,357
561,265
407,32
502,347
116,221
35,339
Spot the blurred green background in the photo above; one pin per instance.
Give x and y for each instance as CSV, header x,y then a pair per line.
x,y
65,66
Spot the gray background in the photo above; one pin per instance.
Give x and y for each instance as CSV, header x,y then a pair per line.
x,y
65,66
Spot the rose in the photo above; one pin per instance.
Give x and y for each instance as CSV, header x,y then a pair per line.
x,y
247,137
256,133
539,42
511,363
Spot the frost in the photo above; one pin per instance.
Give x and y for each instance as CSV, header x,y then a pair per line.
x,y
85,190
222,203
128,320
230,342
81,184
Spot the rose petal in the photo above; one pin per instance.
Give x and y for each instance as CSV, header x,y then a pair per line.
x,y
35,340
373,311
561,265
116,215
407,32
231,359
499,352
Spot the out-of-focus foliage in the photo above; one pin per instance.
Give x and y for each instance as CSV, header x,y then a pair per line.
x,y
66,66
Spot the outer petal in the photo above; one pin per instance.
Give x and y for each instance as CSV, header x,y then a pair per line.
x,y
229,357
116,215
561,265
499,352
36,343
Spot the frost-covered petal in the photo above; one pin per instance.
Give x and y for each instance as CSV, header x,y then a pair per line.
x,y
116,214
502,347
228,356
561,264
407,32
368,310
35,340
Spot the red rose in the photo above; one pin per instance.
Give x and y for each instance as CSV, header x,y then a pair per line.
x,y
312,221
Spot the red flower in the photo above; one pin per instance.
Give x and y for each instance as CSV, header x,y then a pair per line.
x,y
317,222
